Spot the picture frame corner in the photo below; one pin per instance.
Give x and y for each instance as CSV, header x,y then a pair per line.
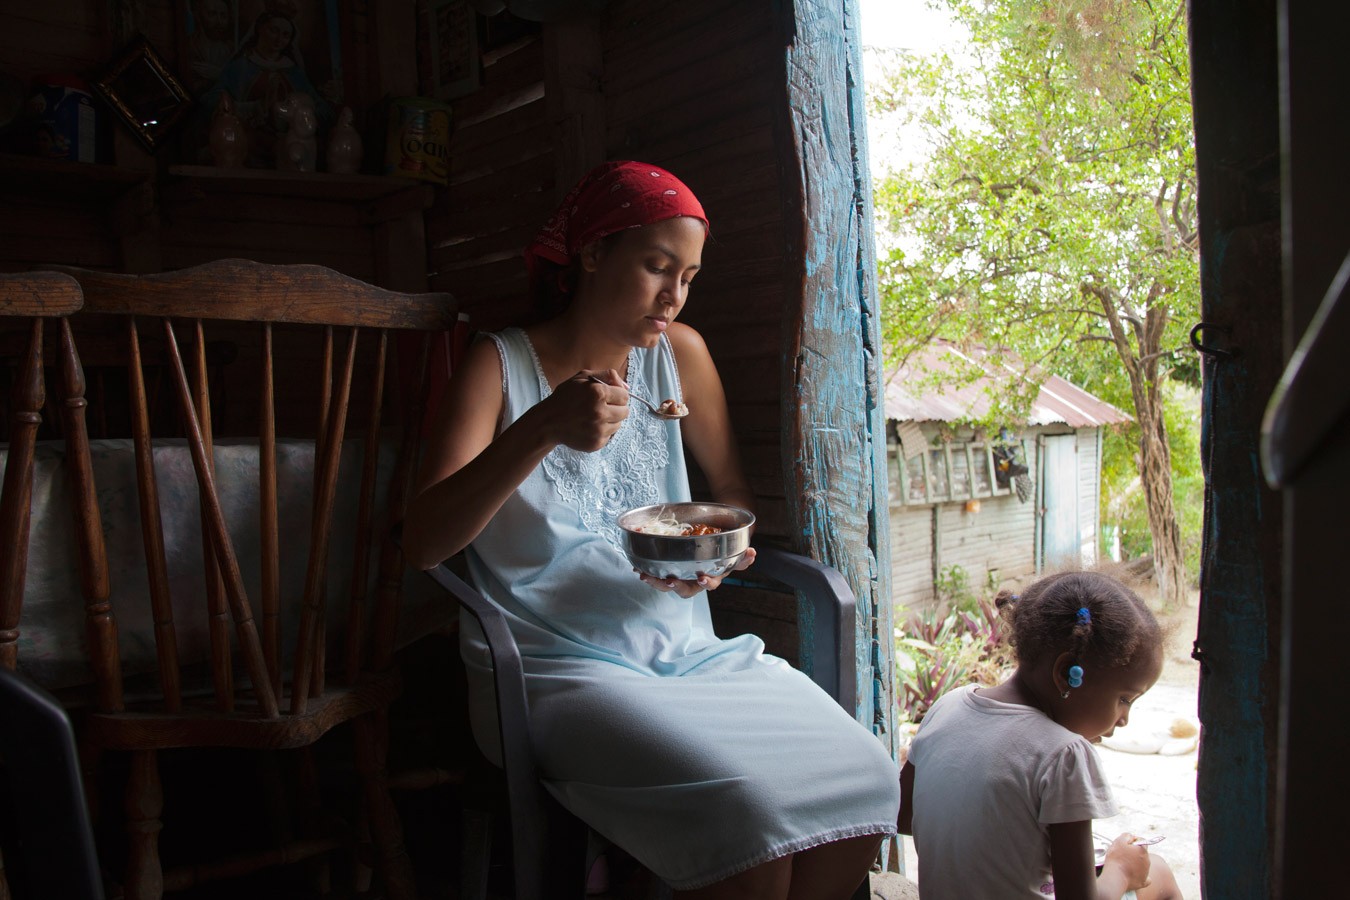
x,y
117,85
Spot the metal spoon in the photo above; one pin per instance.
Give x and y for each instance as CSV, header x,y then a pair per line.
x,y
651,407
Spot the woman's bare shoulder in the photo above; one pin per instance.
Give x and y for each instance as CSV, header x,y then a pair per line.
x,y
686,341
483,353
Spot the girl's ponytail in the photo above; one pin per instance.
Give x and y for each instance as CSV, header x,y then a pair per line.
x,y
1082,629
1005,598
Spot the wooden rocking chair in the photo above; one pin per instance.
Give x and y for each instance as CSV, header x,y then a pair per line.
x,y
34,297
267,682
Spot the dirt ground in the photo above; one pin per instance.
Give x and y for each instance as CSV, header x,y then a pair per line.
x,y
1155,793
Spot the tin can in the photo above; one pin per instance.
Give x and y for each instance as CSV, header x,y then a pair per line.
x,y
419,139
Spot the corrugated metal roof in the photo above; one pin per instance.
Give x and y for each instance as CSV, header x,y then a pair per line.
x,y
910,394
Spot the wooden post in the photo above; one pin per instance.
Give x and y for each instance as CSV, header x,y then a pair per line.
x,y
1316,237
1235,78
394,35
834,444
936,554
573,65
834,448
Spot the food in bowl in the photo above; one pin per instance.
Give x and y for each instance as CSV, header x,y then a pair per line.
x,y
665,523
717,538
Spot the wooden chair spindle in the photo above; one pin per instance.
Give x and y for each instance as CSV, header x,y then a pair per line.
x,y
309,641
267,502
245,629
152,530
16,498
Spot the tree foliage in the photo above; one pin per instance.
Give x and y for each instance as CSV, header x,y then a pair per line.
x,y
1053,211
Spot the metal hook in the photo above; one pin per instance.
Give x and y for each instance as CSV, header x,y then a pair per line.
x,y
1212,351
1198,654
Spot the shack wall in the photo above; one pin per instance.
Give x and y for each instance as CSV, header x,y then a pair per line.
x,y
993,542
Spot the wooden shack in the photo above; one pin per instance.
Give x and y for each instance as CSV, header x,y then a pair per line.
x,y
973,507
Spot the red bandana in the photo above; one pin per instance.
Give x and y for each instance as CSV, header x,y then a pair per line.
x,y
611,197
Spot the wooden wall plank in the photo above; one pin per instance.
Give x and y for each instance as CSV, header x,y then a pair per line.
x,y
515,137
650,47
232,207
574,68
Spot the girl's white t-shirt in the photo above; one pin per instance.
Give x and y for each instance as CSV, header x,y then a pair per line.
x,y
990,777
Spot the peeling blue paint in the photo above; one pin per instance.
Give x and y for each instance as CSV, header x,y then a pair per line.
x,y
837,455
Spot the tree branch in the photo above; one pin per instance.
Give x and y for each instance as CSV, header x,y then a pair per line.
x,y
1160,353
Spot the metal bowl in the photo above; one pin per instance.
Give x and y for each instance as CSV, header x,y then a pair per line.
x,y
686,558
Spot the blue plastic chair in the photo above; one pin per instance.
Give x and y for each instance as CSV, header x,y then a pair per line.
x,y
548,844
37,756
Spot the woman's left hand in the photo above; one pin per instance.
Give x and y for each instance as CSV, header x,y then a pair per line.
x,y
688,589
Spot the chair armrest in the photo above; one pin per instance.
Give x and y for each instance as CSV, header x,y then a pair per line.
x,y
832,639
37,748
531,813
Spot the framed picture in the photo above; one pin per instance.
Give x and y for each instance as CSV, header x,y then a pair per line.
x,y
144,93
260,52
452,30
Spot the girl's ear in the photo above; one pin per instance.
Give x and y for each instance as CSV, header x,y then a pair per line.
x,y
1060,672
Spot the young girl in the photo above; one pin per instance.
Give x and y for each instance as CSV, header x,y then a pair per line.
x,y
1002,783
722,769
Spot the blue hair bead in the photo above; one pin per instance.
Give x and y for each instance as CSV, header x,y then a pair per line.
x,y
1084,617
1075,676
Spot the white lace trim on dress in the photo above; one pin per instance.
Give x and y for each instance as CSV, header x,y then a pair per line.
x,y
621,475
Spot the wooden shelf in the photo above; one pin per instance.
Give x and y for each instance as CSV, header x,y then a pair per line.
x,y
307,185
113,217
36,178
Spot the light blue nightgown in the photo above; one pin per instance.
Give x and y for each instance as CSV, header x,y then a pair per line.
x,y
701,757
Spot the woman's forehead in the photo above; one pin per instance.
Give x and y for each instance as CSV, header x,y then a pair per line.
x,y
676,236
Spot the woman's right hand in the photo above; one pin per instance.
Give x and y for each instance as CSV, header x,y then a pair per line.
x,y
1130,860
584,414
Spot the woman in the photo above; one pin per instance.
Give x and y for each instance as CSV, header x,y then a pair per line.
x,y
720,768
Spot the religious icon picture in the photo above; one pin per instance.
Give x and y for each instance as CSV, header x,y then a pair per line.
x,y
261,52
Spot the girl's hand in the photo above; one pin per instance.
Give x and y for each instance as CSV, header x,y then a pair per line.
x,y
583,414
688,589
1130,860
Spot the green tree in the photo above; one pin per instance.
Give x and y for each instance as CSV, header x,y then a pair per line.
x,y
1053,212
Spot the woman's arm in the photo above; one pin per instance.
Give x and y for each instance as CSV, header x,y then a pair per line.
x,y
468,471
1074,870
707,429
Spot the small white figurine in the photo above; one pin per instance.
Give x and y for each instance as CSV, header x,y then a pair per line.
x,y
344,145
228,138
297,148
